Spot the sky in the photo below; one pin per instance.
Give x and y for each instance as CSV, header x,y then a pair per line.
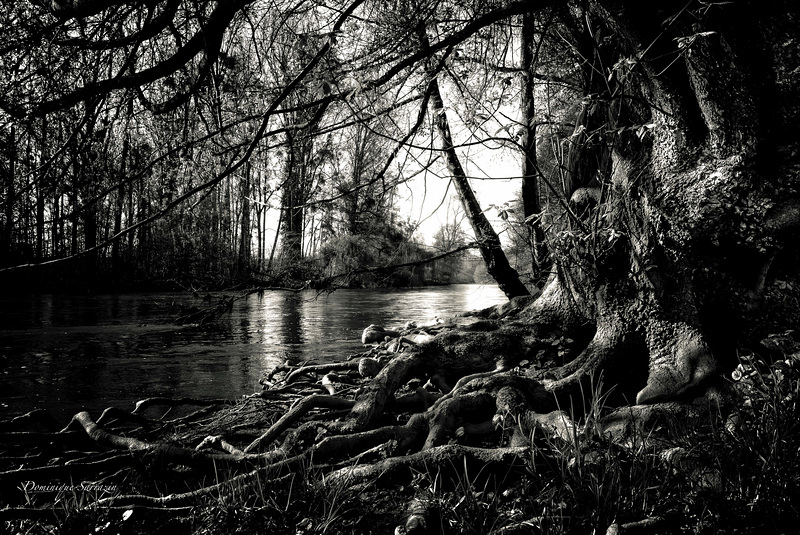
x,y
494,176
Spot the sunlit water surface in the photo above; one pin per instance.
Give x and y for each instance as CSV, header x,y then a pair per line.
x,y
68,353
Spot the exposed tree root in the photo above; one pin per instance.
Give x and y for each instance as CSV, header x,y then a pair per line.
x,y
655,524
377,393
400,417
295,413
171,452
520,528
449,457
444,418
419,521
321,368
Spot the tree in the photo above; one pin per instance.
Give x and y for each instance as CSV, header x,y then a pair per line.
x,y
360,224
450,237
488,240
678,207
678,156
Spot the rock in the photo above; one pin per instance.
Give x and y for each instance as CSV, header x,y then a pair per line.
x,y
376,333
369,367
558,423
420,338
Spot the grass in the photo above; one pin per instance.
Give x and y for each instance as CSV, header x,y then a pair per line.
x,y
739,473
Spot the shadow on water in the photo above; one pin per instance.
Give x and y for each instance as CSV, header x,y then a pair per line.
x,y
68,353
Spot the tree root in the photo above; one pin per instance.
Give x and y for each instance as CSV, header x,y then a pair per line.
x,y
443,418
525,527
193,416
502,366
220,443
377,393
420,517
603,356
295,413
144,404
398,469
321,368
654,524
297,388
176,454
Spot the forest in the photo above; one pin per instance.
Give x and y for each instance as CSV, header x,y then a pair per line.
x,y
203,147
644,375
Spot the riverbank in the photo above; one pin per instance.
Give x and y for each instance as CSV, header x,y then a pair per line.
x,y
185,466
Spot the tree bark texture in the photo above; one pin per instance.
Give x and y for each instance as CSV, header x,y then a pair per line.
x,y
700,164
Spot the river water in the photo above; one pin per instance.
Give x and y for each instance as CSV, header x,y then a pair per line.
x,y
67,353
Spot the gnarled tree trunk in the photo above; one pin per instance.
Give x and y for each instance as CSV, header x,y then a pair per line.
x,y
702,192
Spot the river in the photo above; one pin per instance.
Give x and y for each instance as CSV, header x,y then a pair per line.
x,y
67,353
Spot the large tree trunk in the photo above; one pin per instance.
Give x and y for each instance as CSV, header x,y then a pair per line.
x,y
702,192
245,233
292,202
297,188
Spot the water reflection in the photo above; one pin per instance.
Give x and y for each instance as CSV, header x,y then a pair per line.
x,y
68,353
290,319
